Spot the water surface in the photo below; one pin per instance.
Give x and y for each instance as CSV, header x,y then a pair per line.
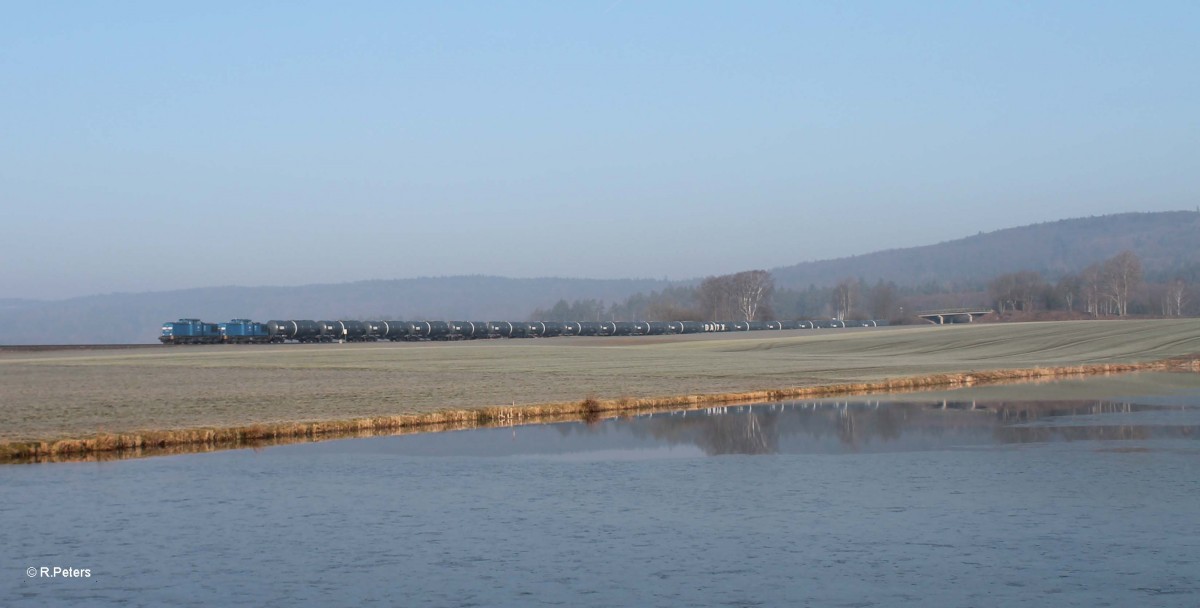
x,y
880,502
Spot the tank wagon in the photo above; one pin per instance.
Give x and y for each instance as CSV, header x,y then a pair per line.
x,y
294,331
246,331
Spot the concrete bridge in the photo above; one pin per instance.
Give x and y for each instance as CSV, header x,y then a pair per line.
x,y
953,315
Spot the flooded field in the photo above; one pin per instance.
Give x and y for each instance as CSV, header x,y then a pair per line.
x,y
1079,493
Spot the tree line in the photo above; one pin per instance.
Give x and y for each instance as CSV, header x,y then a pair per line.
x,y
1115,287
740,296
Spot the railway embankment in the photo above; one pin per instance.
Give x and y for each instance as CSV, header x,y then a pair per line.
x,y
96,404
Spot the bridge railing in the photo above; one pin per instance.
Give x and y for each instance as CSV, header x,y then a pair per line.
x,y
955,311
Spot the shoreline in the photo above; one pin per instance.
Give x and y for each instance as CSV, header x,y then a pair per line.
x,y
158,442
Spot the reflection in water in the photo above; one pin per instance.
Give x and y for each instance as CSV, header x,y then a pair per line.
x,y
822,426
753,433
864,426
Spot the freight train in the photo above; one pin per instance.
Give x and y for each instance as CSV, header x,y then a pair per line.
x,y
245,331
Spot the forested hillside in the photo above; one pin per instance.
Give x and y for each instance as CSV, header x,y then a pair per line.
x,y
1167,244
1128,264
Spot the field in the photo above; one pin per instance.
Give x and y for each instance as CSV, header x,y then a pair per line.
x,y
46,396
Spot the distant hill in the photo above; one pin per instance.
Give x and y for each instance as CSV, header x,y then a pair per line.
x,y
137,317
1167,242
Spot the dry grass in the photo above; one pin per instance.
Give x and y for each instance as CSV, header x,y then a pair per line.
x,y
84,402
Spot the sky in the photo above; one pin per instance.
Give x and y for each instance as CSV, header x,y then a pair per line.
x,y
148,146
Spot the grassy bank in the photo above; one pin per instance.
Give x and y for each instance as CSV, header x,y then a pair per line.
x,y
83,402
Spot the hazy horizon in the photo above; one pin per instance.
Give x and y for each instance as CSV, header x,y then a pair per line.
x,y
155,147
249,285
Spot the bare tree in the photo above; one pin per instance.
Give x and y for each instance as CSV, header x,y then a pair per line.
x,y
844,295
1092,290
1174,298
1001,290
1067,289
742,295
1122,274
715,298
1016,290
751,289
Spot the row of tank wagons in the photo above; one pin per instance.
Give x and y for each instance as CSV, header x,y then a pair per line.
x,y
245,331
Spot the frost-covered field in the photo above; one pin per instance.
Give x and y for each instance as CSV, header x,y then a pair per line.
x,y
53,394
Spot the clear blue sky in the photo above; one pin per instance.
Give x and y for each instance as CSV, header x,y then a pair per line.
x,y
158,145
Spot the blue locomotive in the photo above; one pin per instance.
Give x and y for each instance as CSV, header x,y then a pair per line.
x,y
190,331
244,331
